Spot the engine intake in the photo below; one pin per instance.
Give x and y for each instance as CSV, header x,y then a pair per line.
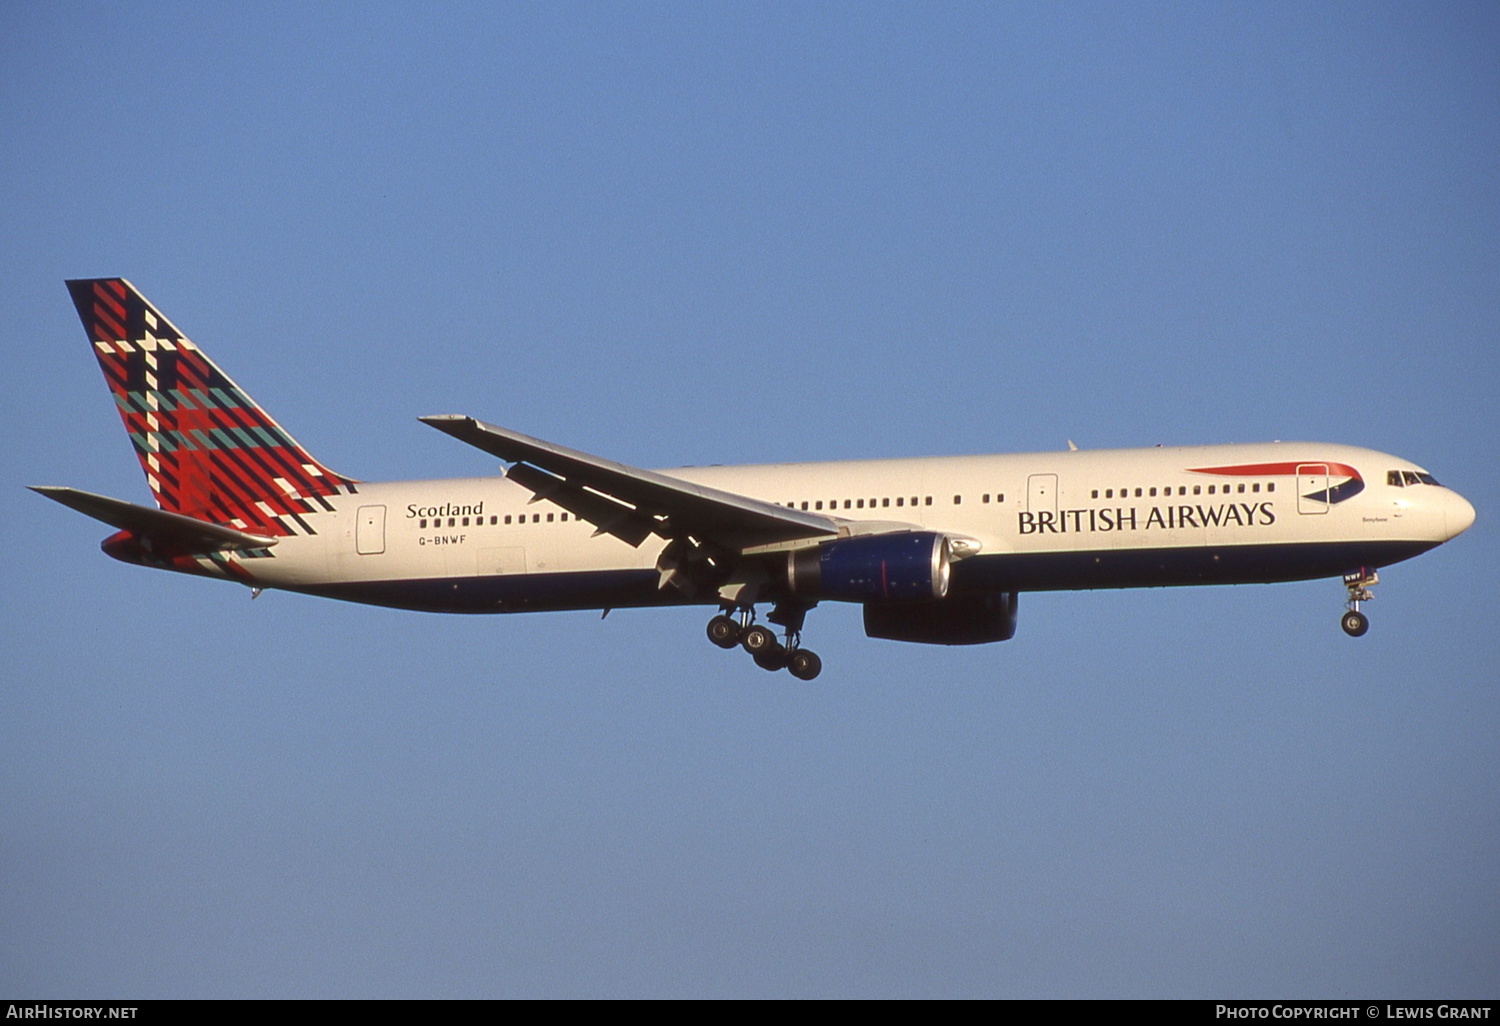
x,y
907,567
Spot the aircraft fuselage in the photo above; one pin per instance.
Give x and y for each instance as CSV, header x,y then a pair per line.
x,y
1067,520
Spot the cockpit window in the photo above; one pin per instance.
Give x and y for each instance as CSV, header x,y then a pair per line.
x,y
1411,478
1393,478
1428,479
1403,478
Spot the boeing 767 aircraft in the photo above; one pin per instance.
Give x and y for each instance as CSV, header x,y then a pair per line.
x,y
935,550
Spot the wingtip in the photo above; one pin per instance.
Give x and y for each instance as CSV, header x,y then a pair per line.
x,y
448,423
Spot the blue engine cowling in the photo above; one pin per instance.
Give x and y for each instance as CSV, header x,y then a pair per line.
x,y
908,567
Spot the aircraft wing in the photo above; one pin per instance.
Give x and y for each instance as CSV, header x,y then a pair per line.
x,y
170,529
631,503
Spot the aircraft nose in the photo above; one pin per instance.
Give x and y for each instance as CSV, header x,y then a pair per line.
x,y
1458,515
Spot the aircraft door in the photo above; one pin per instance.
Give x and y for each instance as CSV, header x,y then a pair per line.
x,y
1041,494
369,531
1312,488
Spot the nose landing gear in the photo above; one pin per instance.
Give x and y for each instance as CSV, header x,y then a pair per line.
x,y
1358,583
733,627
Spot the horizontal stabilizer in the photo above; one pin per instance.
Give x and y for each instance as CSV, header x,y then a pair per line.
x,y
166,529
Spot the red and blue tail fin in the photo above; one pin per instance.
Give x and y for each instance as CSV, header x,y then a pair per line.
x,y
208,450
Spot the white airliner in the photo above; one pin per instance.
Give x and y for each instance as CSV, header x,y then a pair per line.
x,y
935,550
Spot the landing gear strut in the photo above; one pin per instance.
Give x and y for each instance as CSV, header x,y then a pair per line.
x,y
1358,583
733,626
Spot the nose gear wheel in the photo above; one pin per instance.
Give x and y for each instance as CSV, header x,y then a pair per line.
x,y
1358,584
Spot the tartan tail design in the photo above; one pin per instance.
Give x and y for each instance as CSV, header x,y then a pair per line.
x,y
208,450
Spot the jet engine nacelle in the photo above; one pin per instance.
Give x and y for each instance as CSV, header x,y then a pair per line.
x,y
907,567
956,620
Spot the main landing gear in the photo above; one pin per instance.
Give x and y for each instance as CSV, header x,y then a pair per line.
x,y
1358,583
734,627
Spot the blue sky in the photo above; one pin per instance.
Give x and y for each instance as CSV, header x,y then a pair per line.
x,y
678,234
